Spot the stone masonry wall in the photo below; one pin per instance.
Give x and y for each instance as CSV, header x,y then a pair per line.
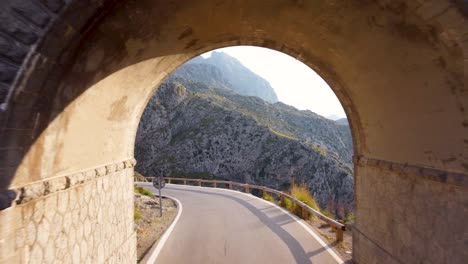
x,y
82,218
424,210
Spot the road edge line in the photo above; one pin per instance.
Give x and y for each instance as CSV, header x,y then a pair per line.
x,y
295,218
156,249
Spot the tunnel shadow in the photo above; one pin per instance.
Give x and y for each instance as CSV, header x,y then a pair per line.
x,y
275,224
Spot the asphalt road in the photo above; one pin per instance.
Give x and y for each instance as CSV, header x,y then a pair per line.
x,y
222,226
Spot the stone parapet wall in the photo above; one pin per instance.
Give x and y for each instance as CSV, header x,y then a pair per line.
x,y
427,217
86,217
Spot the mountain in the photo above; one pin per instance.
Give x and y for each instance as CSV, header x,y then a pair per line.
x,y
195,125
342,121
237,77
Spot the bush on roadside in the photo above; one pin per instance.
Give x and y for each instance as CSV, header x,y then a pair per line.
x,y
143,191
327,213
349,218
288,204
301,192
136,214
268,197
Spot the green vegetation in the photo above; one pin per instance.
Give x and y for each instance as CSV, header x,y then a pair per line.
x,y
136,214
268,197
301,192
321,150
281,134
327,214
349,218
179,87
207,121
271,140
288,204
139,177
143,191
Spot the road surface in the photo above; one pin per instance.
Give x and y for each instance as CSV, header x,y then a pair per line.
x,y
223,226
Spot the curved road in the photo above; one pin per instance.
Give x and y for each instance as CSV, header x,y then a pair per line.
x,y
223,226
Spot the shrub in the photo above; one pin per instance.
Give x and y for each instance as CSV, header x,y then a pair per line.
x,y
288,204
268,197
143,191
327,214
301,192
136,214
349,218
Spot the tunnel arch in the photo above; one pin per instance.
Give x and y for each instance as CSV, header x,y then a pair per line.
x,y
399,68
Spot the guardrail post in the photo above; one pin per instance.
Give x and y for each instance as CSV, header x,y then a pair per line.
x,y
230,185
247,188
215,184
169,180
305,214
199,183
339,235
282,199
185,182
263,192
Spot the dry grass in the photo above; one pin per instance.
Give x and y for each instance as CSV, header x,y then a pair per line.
x,y
268,197
288,204
301,192
143,191
136,214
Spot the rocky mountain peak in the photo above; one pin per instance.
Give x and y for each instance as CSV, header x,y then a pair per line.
x,y
238,78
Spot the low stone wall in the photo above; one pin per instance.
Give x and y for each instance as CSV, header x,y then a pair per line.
x,y
82,218
405,215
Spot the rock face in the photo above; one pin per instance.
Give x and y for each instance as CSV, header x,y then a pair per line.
x,y
235,76
191,129
342,121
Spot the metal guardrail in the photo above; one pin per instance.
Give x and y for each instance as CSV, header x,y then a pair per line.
x,y
306,210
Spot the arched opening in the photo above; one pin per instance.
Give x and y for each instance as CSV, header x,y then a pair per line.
x,y
398,68
277,144
225,116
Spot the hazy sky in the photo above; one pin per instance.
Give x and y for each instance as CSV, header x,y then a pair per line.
x,y
294,82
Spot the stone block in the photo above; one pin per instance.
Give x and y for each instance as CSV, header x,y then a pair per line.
x,y
7,72
18,29
11,259
32,12
75,179
54,185
91,174
7,246
37,253
54,5
31,192
12,49
111,168
43,231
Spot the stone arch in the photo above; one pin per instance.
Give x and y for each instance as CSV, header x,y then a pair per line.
x,y
77,75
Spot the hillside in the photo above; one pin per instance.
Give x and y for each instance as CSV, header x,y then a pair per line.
x,y
191,129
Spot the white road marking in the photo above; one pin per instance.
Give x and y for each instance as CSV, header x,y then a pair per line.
x,y
162,241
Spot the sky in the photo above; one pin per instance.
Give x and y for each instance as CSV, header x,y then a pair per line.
x,y
294,83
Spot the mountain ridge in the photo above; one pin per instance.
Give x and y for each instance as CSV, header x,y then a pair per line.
x,y
198,127
237,77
